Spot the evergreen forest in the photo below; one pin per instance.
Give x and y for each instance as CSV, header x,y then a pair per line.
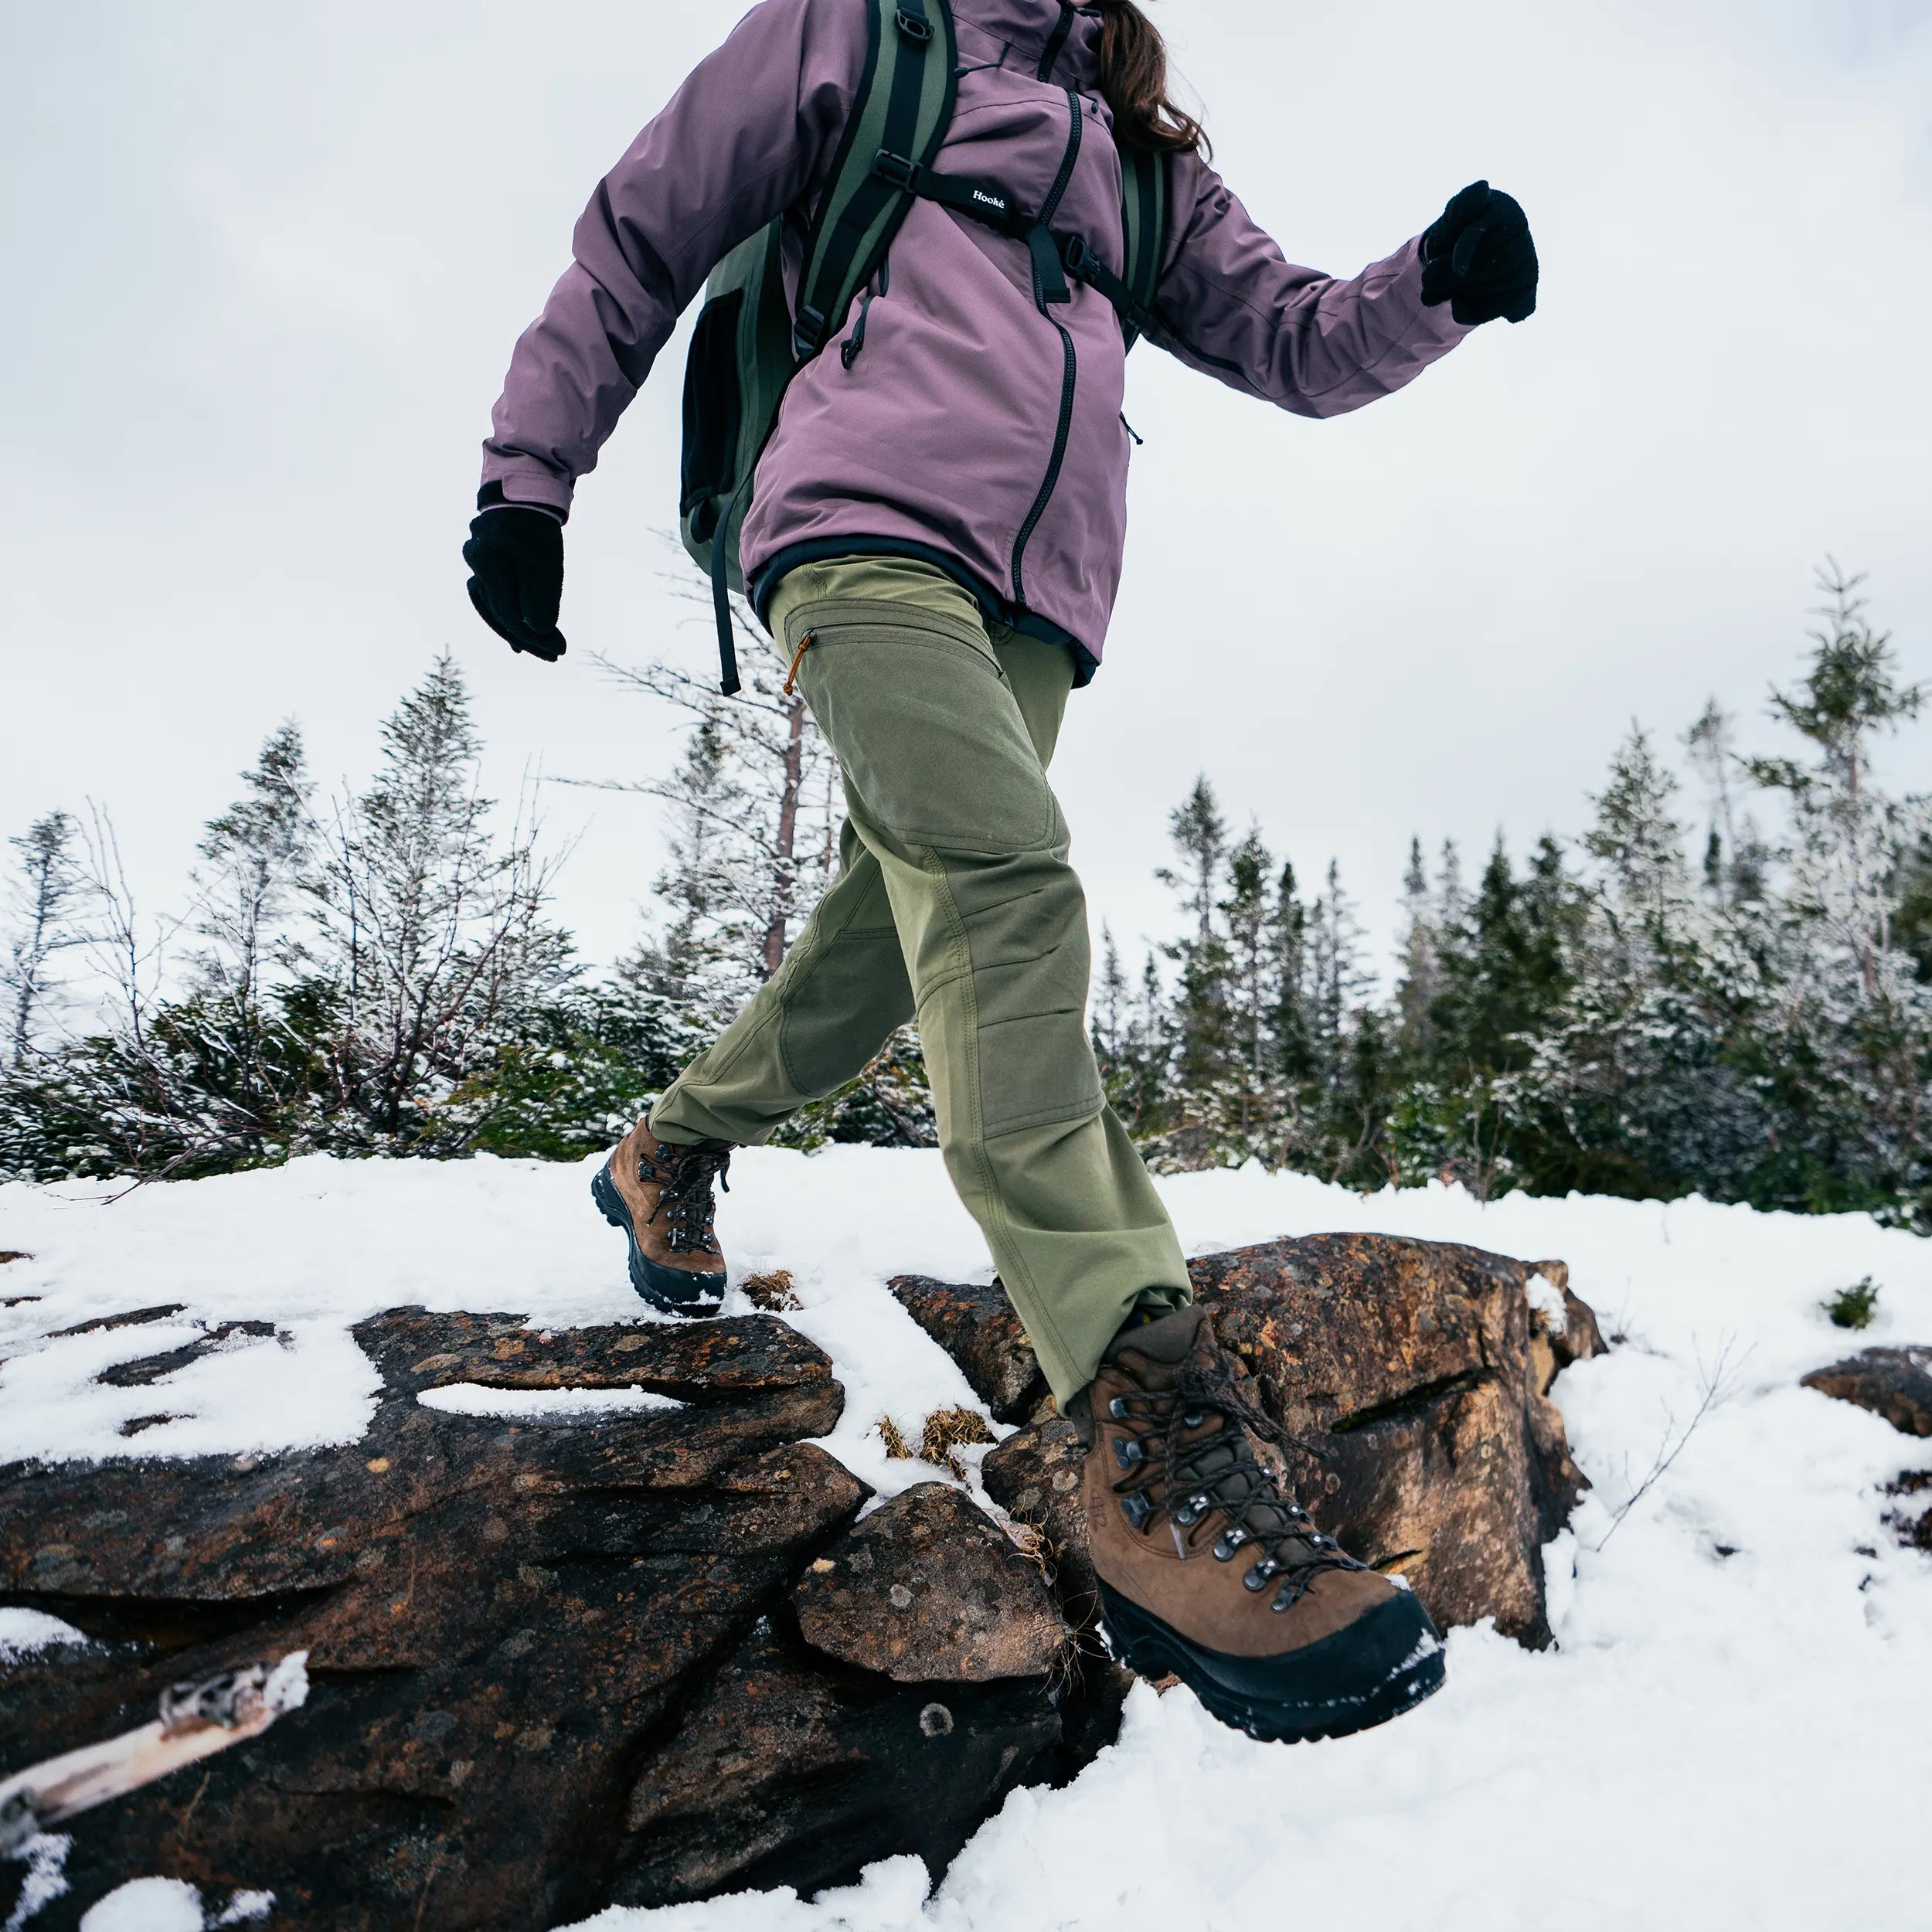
x,y
1724,987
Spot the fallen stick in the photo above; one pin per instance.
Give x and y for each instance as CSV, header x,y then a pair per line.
x,y
196,1721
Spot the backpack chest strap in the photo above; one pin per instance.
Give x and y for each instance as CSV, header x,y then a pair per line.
x,y
1056,255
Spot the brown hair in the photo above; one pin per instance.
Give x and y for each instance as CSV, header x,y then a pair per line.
x,y
1134,78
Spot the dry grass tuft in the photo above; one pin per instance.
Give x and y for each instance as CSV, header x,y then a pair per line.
x,y
772,1292
950,1429
887,1430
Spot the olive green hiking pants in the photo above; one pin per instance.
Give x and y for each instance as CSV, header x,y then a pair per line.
x,y
955,902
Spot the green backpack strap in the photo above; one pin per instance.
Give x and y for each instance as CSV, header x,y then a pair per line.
x,y
748,344
1144,214
1144,202
904,107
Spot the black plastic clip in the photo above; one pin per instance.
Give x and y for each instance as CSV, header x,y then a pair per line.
x,y
915,26
898,169
808,334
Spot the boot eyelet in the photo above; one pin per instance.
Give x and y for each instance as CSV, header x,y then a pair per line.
x,y
1127,1451
1226,1544
1194,1418
1118,1409
1257,1579
1285,1598
1136,1507
1189,1514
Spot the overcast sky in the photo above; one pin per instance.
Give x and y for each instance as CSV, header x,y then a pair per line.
x,y
264,265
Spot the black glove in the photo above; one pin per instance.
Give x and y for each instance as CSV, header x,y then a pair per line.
x,y
1479,258
517,553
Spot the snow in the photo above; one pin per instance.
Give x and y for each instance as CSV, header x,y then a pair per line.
x,y
172,1905
538,1405
148,1905
1546,1300
23,1632
1718,1740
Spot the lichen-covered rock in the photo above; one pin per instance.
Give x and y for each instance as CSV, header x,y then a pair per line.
x,y
500,1618
927,1590
1896,1383
976,1325
1418,1370
638,1656
1035,1476
786,1774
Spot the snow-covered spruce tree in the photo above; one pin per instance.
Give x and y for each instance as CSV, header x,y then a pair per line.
x,y
1846,1056
1419,982
1129,1032
1503,960
253,860
1269,1048
1135,1052
182,1081
433,954
1251,1098
756,812
1634,1085
1199,1126
44,888
1736,860
46,893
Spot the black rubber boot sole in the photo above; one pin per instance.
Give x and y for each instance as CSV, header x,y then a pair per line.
x,y
1383,1664
676,1290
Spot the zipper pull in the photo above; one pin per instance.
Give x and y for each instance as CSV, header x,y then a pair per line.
x,y
791,676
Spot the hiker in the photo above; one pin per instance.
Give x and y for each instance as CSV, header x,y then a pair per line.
x,y
979,207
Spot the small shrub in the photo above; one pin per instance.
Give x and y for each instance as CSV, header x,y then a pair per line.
x,y
1853,1308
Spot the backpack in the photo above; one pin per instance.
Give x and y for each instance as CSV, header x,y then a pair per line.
x,y
748,344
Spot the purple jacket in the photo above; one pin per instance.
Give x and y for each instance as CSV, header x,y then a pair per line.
x,y
937,439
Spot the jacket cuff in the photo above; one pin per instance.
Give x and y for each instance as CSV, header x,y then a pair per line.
x,y
531,487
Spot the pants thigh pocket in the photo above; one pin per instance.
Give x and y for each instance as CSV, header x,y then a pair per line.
x,y
931,740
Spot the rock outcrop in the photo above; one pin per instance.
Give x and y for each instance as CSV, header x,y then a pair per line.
x,y
1896,1383
1419,1371
643,1656
530,1644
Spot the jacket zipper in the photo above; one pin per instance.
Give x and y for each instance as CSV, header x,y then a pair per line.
x,y
1069,370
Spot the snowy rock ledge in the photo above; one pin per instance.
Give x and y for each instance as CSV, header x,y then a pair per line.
x,y
591,1619
1419,1372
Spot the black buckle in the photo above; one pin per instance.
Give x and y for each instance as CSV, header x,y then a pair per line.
x,y
896,168
916,27
807,335
1078,257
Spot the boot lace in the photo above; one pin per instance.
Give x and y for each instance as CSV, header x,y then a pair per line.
x,y
1193,1479
683,1177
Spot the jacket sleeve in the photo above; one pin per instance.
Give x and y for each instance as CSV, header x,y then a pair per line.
x,y
1230,304
751,130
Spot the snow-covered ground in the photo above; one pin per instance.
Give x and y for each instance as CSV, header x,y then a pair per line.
x,y
1733,1730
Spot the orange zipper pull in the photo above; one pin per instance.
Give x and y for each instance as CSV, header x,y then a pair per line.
x,y
791,676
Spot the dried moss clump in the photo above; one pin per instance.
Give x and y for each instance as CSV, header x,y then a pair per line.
x,y
772,1292
948,1430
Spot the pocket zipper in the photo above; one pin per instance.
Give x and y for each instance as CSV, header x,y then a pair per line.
x,y
791,676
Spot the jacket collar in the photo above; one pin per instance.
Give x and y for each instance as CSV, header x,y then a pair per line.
x,y
1027,25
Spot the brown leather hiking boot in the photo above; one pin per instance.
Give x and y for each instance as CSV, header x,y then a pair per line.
x,y
660,1194
1207,1571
